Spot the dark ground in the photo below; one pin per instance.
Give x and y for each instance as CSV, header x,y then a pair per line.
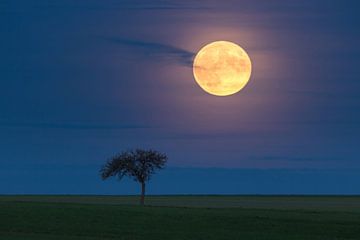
x,y
180,217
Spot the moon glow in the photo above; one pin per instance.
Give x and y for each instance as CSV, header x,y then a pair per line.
x,y
222,68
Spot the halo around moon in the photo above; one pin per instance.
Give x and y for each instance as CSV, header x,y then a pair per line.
x,y
222,68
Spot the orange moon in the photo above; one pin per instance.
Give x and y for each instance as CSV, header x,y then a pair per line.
x,y
222,68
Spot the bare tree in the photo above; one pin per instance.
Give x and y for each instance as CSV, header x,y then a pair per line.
x,y
137,164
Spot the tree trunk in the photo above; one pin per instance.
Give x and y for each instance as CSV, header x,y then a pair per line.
x,y
142,198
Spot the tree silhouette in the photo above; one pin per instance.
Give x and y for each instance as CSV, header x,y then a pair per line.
x,y
137,164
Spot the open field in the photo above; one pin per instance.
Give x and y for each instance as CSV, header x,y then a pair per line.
x,y
331,203
180,217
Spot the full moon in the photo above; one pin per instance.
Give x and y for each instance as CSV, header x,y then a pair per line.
x,y
222,68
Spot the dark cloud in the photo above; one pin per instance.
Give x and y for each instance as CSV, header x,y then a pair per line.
x,y
208,181
156,51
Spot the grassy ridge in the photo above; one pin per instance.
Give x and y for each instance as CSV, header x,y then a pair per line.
x,y
25,219
332,203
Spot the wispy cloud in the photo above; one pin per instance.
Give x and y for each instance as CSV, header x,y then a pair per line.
x,y
156,51
101,5
75,126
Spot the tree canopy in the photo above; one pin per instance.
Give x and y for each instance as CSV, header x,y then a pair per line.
x,y
137,164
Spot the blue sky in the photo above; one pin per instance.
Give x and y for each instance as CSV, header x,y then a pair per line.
x,y
82,80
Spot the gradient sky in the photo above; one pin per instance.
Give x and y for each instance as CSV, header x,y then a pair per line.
x,y
82,80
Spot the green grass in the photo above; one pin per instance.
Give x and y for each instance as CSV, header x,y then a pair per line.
x,y
203,217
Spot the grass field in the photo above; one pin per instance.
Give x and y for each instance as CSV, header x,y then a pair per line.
x,y
180,217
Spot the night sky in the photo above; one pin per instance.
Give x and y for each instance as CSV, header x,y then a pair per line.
x,y
82,80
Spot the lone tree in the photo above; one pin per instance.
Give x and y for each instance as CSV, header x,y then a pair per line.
x,y
137,164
